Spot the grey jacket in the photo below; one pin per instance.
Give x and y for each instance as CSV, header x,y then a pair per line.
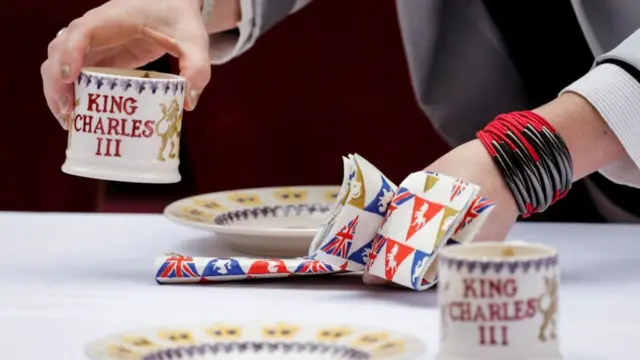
x,y
454,52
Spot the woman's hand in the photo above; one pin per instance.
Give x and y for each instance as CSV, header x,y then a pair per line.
x,y
128,34
472,163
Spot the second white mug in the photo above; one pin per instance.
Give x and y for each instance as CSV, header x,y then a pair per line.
x,y
499,301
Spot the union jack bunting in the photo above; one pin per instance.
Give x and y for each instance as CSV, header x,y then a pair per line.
x,y
178,266
340,244
425,213
314,267
478,206
458,187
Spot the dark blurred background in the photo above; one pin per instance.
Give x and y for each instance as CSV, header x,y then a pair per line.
x,y
282,114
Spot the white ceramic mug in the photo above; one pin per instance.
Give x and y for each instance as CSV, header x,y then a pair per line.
x,y
499,301
126,126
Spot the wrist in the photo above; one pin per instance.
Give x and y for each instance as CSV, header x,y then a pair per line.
x,y
589,139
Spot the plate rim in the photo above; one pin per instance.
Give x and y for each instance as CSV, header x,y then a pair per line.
x,y
418,345
241,230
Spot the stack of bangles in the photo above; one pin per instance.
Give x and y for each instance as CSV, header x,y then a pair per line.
x,y
533,158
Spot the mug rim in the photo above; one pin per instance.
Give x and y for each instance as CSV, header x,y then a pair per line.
x,y
132,74
460,252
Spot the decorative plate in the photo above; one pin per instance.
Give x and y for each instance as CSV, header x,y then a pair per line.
x,y
275,222
262,341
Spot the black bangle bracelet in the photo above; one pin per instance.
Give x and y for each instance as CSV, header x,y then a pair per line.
x,y
532,157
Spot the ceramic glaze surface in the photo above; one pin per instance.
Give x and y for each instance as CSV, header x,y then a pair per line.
x,y
499,302
126,126
262,341
275,221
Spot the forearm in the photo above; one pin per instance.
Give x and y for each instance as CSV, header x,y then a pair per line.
x,y
590,141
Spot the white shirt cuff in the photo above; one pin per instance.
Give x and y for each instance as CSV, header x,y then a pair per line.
x,y
616,96
224,47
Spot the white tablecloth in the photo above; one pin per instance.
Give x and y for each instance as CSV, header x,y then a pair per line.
x,y
68,279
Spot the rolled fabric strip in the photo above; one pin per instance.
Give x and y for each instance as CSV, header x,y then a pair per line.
x,y
181,269
424,214
347,244
394,233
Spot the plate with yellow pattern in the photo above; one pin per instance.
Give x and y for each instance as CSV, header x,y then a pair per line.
x,y
274,221
264,341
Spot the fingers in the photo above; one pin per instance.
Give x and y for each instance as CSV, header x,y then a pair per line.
x,y
195,67
58,94
195,63
191,46
112,36
98,29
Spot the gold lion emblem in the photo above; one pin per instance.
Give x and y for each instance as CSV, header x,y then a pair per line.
x,y
333,334
280,331
172,115
549,314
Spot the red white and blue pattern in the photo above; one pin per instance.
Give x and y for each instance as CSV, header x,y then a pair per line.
x,y
314,267
178,266
363,237
458,188
478,207
340,244
402,196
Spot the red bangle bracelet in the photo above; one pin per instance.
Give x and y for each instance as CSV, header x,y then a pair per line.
x,y
533,159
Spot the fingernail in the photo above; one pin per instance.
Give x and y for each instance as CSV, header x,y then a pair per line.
x,y
63,104
194,96
65,71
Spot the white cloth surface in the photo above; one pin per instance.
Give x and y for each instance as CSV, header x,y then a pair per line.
x,y
67,279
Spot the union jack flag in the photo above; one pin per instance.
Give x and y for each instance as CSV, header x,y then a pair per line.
x,y
458,187
178,266
477,207
313,267
341,243
376,246
402,196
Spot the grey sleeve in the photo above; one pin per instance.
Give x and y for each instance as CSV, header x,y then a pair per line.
x,y
269,12
614,92
461,76
258,16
